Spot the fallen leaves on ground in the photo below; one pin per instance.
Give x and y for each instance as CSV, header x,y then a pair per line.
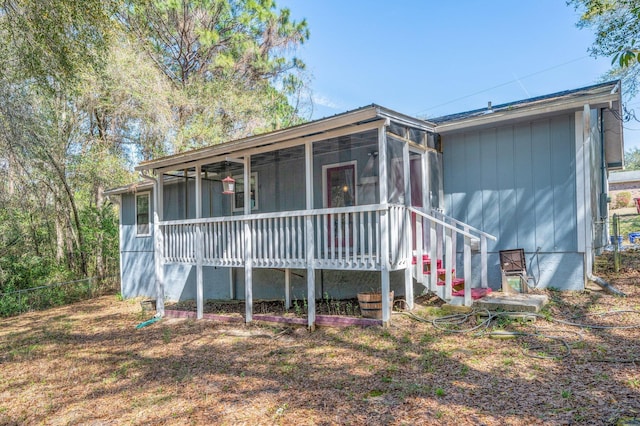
x,y
87,364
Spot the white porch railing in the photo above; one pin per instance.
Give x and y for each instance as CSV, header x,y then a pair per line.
x,y
344,238
480,235
436,236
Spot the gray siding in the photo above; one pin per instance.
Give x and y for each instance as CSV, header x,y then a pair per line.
x,y
136,253
518,183
180,282
269,283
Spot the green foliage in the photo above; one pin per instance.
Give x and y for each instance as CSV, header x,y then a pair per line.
x,y
14,301
228,61
616,24
632,159
57,39
626,224
88,88
622,199
12,304
214,39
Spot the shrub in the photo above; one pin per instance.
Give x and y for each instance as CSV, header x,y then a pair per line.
x,y
622,199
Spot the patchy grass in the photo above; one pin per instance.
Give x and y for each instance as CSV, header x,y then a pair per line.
x,y
629,221
87,364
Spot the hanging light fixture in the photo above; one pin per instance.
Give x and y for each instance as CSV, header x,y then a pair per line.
x,y
228,185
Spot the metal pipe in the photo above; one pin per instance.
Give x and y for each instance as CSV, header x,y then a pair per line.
x,y
605,285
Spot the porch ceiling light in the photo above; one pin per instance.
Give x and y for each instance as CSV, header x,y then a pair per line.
x,y
229,185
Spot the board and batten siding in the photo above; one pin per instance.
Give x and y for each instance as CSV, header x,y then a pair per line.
x,y
137,272
518,182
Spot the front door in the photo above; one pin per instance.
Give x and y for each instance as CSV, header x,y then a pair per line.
x,y
340,187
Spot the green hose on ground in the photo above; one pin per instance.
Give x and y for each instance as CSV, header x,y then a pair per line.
x,y
148,322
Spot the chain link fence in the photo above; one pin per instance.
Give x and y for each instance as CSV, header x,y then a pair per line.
x,y
58,294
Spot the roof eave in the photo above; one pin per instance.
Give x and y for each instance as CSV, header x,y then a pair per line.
x,y
130,189
315,127
528,111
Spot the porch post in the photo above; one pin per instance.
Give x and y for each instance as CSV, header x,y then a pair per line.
x,y
433,257
467,271
584,189
384,227
311,272
159,243
287,288
248,253
408,279
199,245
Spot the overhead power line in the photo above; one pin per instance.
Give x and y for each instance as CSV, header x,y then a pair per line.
x,y
501,85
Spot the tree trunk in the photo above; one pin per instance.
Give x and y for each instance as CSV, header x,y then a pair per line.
x,y
60,239
34,235
11,175
78,235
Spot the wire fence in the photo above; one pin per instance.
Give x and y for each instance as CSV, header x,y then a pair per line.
x,y
38,298
625,230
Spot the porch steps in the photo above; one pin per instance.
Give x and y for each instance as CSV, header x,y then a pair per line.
x,y
477,294
457,283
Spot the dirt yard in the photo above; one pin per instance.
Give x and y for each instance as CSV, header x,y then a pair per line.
x,y
88,364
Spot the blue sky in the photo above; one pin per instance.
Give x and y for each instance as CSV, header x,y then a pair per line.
x,y
431,58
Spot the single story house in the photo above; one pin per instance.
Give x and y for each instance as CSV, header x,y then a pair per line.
x,y
373,199
628,181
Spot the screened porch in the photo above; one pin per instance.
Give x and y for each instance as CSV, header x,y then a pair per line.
x,y
346,193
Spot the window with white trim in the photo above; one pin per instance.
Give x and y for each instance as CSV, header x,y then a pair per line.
x,y
143,214
238,197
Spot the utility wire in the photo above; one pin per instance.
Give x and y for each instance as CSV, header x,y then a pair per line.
x,y
501,85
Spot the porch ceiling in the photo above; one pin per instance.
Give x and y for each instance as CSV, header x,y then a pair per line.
x,y
296,152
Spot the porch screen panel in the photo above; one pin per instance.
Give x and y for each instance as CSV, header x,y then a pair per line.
x,y
359,149
280,180
435,179
395,170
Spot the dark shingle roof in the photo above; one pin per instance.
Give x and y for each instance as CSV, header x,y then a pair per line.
x,y
553,97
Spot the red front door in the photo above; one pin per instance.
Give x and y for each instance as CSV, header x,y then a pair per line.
x,y
341,192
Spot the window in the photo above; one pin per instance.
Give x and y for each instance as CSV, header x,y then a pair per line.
x,y
142,214
238,198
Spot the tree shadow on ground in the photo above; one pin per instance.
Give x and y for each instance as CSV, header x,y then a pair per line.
x,y
81,365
